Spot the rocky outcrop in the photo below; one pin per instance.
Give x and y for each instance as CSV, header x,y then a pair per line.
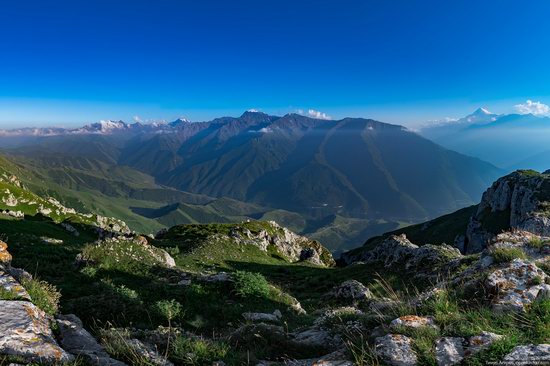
x,y
517,285
516,201
397,251
292,246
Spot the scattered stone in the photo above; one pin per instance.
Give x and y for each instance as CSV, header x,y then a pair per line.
x,y
413,322
449,351
79,342
25,332
395,350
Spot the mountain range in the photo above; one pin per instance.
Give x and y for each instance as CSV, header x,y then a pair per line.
x,y
509,141
336,180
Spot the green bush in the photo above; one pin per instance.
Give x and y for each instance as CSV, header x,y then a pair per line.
x,y
43,295
502,255
250,285
188,351
168,309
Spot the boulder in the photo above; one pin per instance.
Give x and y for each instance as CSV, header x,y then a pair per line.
x,y
516,285
79,342
449,351
395,350
25,332
350,290
530,354
318,337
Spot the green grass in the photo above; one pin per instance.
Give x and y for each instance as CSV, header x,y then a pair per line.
x,y
503,255
43,295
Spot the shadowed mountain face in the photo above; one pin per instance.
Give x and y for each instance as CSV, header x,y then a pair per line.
x,y
354,168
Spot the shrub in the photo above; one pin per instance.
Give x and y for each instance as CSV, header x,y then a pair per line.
x,y
43,295
168,309
188,351
502,255
250,285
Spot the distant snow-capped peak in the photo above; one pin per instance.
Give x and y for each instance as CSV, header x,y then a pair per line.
x,y
479,116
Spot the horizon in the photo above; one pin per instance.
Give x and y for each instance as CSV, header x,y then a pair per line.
x,y
412,63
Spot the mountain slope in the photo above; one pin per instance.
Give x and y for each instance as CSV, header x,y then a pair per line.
x,y
317,172
506,141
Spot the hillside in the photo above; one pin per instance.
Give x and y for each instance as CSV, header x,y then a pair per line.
x,y
338,181
256,293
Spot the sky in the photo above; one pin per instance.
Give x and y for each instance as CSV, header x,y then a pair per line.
x,y
66,63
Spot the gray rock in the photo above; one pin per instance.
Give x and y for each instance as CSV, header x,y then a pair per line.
x,y
79,342
264,317
516,285
318,337
350,290
449,351
480,342
530,354
395,350
25,332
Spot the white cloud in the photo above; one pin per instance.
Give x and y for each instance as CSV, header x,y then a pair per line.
x,y
262,130
314,114
137,119
253,110
535,108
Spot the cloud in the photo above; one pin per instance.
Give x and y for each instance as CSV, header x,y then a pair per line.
x,y
137,119
262,130
535,108
253,110
314,114
319,115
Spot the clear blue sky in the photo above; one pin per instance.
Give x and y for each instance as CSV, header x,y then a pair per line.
x,y
72,62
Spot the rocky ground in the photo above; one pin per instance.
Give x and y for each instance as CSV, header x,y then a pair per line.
x,y
255,293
